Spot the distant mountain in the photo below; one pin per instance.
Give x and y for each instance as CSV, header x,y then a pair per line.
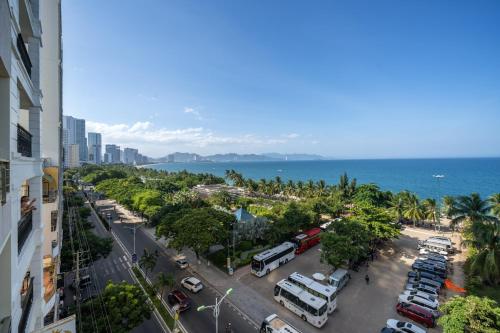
x,y
294,157
233,157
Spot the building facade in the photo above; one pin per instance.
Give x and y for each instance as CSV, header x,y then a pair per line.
x,y
130,155
95,148
51,153
21,228
74,134
113,152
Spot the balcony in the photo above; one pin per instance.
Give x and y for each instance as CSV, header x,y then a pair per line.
x,y
25,58
23,141
26,302
49,196
24,228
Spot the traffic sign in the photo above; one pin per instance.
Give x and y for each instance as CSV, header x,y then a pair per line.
x,y
134,258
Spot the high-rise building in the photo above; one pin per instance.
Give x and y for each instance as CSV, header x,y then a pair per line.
x,y
51,153
130,155
114,153
95,148
74,134
30,156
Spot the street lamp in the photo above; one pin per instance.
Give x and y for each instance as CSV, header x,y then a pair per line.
x,y
216,308
134,228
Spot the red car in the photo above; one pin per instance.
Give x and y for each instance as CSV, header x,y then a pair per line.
x,y
416,313
178,297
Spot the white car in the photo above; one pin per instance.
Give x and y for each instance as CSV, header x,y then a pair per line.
x,y
421,294
444,254
432,307
182,263
192,284
403,326
423,288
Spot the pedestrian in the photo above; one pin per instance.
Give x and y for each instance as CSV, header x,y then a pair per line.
x,y
349,275
367,279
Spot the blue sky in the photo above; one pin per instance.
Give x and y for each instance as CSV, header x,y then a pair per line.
x,y
345,79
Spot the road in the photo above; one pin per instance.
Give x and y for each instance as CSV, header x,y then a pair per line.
x,y
192,320
116,267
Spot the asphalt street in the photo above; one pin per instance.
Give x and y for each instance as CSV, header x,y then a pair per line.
x,y
192,320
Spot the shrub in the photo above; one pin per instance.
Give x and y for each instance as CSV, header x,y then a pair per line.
x,y
245,245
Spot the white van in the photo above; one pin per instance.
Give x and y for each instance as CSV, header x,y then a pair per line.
x,y
339,278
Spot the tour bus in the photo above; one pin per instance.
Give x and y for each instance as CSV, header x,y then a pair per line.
x,y
328,293
435,245
264,262
310,308
306,240
273,324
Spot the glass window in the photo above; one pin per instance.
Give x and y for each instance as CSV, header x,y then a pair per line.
x,y
277,290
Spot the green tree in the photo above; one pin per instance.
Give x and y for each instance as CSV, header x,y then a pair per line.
x,y
126,307
430,211
470,314
222,198
164,281
397,206
198,229
148,261
472,209
296,218
413,210
495,204
100,247
449,204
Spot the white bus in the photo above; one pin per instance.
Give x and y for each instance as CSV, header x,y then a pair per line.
x,y
264,262
308,307
328,293
273,324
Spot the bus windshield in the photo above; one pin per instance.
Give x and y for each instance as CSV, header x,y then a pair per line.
x,y
322,310
256,265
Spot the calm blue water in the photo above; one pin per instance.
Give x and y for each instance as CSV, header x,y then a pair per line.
x,y
462,176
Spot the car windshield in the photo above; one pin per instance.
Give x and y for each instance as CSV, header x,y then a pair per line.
x,y
256,265
400,324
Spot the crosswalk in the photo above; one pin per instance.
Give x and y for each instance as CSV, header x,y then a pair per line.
x,y
114,265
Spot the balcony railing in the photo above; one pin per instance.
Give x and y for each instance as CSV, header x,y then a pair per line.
x,y
21,47
49,196
23,141
26,301
23,230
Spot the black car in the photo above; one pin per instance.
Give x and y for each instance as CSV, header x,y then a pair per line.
x,y
419,274
429,269
432,262
388,330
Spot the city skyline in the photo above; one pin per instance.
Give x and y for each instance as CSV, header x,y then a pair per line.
x,y
347,80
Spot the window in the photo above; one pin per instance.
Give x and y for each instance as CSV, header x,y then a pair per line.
x,y
4,181
277,290
53,221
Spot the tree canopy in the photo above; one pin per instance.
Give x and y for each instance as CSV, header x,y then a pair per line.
x,y
470,314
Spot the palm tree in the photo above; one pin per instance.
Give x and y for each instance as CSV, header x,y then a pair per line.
x,y
278,183
486,239
289,188
321,186
472,209
164,281
262,185
147,261
413,209
449,204
430,211
397,206
495,204
310,187
300,188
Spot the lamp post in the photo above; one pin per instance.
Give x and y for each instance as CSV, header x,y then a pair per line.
x,y
134,228
215,308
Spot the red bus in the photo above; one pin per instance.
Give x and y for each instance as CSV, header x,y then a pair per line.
x,y
306,240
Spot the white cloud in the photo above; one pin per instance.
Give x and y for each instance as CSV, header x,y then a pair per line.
x,y
291,136
193,111
155,141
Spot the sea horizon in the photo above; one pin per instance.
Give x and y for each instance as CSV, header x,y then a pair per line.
x,y
462,175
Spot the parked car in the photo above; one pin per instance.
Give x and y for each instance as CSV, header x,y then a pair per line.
x,y
430,251
177,297
434,257
427,261
429,269
388,330
403,326
423,288
428,282
339,279
427,275
416,313
182,263
192,284
430,306
420,294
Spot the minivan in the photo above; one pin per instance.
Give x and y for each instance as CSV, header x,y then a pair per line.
x,y
416,313
427,282
339,279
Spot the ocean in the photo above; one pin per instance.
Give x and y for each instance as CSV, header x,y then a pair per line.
x,y
461,175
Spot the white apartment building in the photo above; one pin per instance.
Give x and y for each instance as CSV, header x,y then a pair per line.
x,y
51,153
29,160
21,229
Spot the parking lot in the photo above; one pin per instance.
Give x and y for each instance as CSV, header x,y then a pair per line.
x,y
361,307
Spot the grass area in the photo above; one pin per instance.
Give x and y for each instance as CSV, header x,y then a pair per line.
x,y
152,295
